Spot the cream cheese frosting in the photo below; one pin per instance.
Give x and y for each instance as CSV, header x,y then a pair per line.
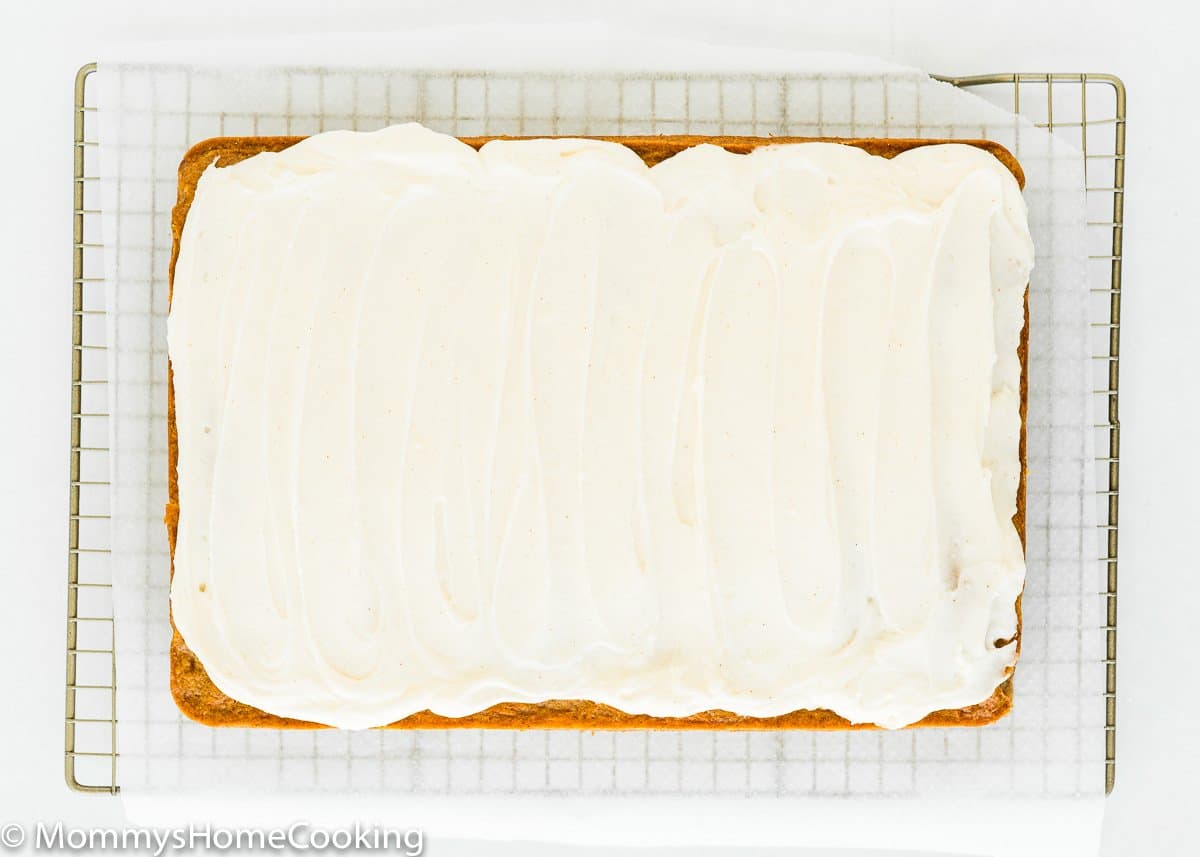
x,y
541,422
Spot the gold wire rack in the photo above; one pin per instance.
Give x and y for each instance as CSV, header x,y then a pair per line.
x,y
1088,109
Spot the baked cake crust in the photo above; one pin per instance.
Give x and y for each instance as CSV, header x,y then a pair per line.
x,y
199,699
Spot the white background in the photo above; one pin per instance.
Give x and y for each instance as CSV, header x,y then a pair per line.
x,y
1150,45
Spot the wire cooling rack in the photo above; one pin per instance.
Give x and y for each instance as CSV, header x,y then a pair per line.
x,y
1087,109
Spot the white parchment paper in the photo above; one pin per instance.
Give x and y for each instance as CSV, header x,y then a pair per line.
x,y
155,102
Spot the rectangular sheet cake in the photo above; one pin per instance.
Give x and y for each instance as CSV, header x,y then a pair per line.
x,y
667,432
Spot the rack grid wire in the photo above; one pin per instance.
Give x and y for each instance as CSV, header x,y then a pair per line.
x,y
1089,110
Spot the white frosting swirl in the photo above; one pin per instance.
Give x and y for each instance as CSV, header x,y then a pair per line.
x,y
539,422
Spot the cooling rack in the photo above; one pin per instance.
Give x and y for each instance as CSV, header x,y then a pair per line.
x,y
1089,110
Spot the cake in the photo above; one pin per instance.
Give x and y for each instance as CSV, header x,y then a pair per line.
x,y
665,432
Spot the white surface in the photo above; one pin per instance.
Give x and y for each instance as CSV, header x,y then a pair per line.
x,y
1156,786
1062,828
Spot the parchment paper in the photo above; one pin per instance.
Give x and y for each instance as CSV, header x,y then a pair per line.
x,y
155,101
